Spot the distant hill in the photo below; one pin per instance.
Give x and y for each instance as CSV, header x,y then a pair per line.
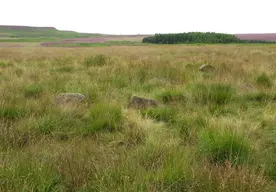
x,y
13,31
258,36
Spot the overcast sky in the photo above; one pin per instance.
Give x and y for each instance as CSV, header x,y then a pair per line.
x,y
143,16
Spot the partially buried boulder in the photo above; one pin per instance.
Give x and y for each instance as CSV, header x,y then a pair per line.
x,y
246,87
141,102
207,68
69,99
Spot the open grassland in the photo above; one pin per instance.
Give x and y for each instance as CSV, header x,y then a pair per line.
x,y
212,131
104,40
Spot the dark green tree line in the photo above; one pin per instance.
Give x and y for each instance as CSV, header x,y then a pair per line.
x,y
196,37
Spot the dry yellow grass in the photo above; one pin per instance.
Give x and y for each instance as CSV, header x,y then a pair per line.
x,y
212,131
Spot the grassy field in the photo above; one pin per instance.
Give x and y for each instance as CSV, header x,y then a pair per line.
x,y
57,38
104,44
212,131
27,40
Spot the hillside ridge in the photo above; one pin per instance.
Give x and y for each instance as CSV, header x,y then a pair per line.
x,y
22,27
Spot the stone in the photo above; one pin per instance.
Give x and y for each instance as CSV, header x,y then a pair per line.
x,y
69,99
245,86
160,80
207,68
141,102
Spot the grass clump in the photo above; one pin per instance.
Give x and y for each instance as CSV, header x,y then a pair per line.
x,y
12,112
33,90
26,174
212,94
164,114
264,80
105,117
221,146
98,60
172,96
4,63
189,126
63,70
260,97
47,124
271,172
218,110
61,123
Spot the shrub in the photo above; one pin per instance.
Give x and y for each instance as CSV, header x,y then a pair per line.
x,y
98,60
172,96
264,80
212,94
161,114
105,117
221,146
33,90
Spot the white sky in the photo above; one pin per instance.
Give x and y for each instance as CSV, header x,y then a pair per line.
x,y
143,16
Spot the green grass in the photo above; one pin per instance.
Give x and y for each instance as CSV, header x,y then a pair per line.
x,y
29,40
105,117
164,114
12,112
260,97
33,90
207,134
98,60
264,80
105,44
63,70
38,174
172,96
4,63
32,33
221,146
212,94
188,127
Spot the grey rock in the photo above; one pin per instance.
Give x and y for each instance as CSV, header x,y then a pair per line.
x,y
207,68
68,98
160,80
141,102
246,86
